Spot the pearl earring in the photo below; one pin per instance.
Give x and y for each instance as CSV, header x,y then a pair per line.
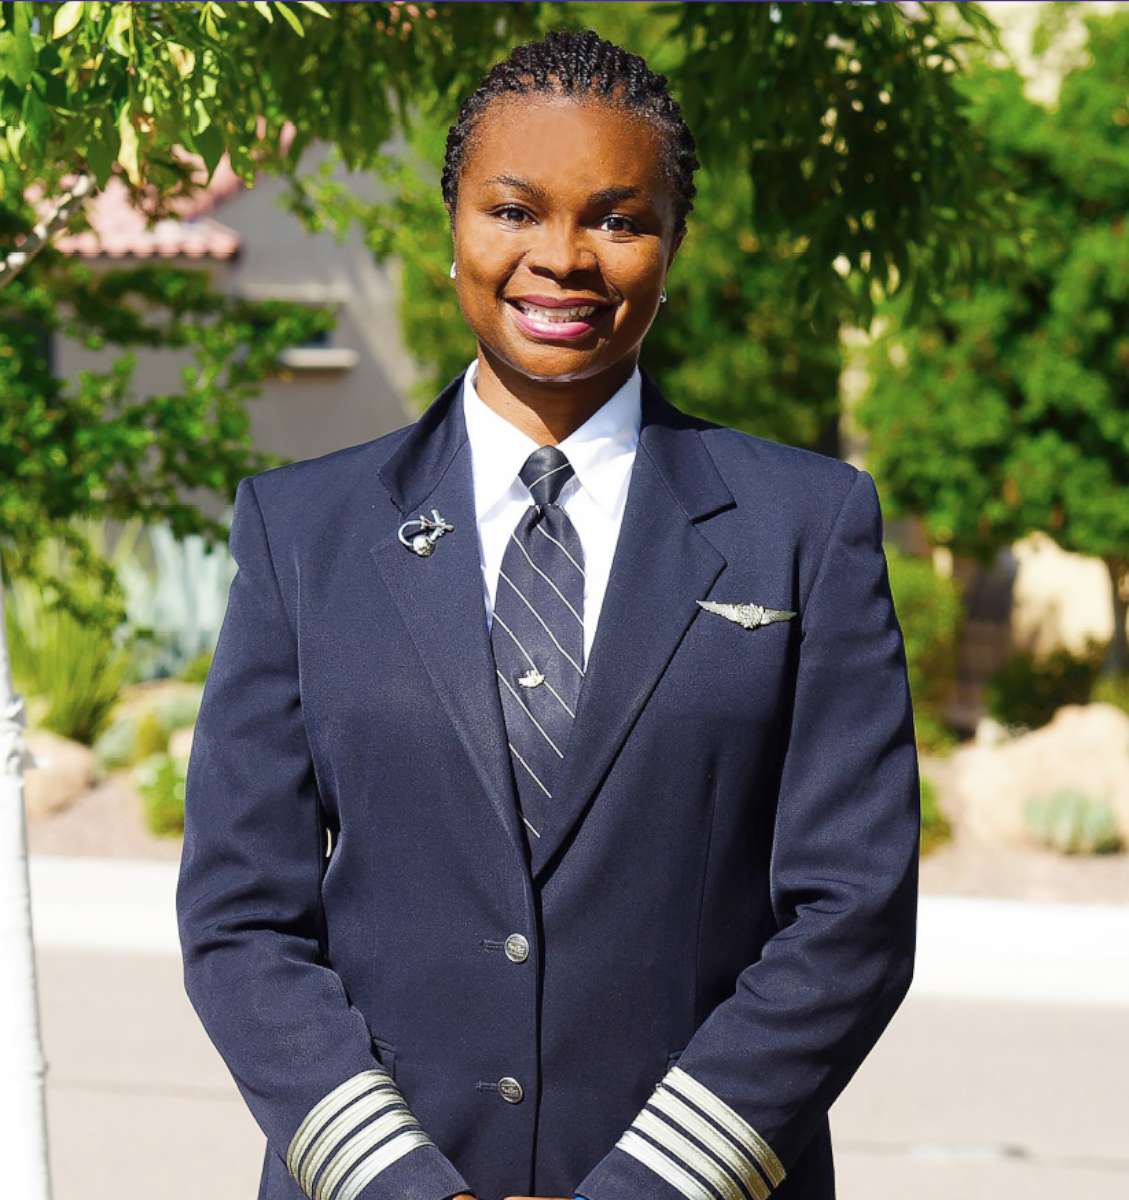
x,y
662,296
452,269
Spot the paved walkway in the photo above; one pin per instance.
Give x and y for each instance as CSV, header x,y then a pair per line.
x,y
996,1080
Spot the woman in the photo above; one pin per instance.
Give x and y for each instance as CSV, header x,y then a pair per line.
x,y
530,905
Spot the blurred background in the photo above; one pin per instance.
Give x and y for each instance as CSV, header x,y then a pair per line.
x,y
223,247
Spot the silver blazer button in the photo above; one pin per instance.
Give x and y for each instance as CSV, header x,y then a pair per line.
x,y
517,948
510,1089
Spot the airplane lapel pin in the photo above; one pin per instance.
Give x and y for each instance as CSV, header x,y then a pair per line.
x,y
749,616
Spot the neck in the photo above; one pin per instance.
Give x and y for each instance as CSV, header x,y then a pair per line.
x,y
546,410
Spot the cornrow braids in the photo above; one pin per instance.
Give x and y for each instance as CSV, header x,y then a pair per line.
x,y
580,65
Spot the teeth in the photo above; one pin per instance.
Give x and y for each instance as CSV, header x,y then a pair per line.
x,y
556,314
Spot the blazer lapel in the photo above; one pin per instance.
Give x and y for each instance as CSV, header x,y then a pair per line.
x,y
662,565
440,597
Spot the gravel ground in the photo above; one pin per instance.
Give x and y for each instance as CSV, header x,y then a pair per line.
x,y
107,823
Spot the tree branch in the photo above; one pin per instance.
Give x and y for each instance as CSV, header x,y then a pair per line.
x,y
14,261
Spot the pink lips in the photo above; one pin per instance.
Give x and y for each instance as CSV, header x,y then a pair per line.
x,y
558,331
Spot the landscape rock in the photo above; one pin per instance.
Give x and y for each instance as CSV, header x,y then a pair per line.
x,y
180,743
66,770
1085,748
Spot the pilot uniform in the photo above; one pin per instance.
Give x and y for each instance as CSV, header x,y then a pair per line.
x,y
663,998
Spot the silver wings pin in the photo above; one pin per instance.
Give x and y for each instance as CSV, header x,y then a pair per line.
x,y
747,615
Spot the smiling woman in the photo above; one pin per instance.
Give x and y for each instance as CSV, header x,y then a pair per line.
x,y
614,753
561,264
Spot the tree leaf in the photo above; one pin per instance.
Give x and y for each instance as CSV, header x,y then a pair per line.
x,y
118,28
182,58
290,18
67,17
263,9
17,58
127,151
313,6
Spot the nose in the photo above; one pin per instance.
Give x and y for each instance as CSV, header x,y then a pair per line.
x,y
562,250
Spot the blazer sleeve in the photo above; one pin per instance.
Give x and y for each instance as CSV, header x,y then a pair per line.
x,y
758,1076
249,917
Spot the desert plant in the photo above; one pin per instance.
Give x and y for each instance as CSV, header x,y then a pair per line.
x,y
1027,689
73,669
1072,822
160,783
176,606
929,611
935,826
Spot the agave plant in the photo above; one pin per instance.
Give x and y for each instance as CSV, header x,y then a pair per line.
x,y
178,603
1073,822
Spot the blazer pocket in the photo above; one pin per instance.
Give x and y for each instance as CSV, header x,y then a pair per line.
x,y
386,1052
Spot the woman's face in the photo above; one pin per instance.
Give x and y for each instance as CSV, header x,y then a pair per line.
x,y
562,200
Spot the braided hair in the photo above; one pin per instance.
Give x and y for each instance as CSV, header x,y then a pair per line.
x,y
581,66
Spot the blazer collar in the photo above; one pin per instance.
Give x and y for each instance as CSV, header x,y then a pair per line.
x,y
670,436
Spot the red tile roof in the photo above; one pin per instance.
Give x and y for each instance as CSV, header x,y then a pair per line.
x,y
118,228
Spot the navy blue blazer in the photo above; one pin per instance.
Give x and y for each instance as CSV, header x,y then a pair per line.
x,y
721,921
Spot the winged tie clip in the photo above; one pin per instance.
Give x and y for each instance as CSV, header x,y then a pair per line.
x,y
749,616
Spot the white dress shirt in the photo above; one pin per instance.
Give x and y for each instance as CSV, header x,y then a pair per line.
x,y
601,452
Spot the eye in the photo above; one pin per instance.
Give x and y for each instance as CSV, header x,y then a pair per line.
x,y
618,217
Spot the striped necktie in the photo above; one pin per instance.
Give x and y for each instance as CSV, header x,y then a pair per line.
x,y
537,634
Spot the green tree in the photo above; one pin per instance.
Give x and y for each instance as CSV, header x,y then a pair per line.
x,y
1010,412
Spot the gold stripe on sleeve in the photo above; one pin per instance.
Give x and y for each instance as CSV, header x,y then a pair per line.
x,y
663,1166
342,1095
379,1159
738,1162
731,1121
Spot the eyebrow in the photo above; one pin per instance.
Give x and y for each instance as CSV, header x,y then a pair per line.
x,y
610,195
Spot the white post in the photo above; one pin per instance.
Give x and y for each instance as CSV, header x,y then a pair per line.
x,y
23,1112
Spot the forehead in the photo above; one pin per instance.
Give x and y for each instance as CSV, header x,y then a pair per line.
x,y
568,146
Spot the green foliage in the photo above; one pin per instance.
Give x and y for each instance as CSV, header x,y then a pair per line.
x,y
160,783
151,737
196,670
134,736
929,612
100,87
91,445
1027,689
936,828
1111,689
1072,822
1010,412
71,670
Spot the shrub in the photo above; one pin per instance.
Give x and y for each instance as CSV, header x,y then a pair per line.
x,y
151,737
935,826
1112,689
929,611
160,782
196,670
1072,822
73,669
1027,690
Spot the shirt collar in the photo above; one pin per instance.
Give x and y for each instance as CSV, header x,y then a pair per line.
x,y
499,449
